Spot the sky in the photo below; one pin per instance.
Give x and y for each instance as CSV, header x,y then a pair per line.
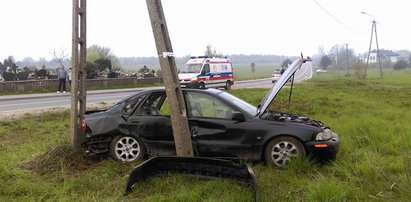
x,y
38,28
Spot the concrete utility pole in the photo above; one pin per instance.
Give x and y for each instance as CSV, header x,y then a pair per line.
x,y
346,49
78,62
373,30
179,121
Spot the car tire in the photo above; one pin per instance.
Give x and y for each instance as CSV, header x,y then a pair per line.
x,y
201,86
127,149
279,151
227,85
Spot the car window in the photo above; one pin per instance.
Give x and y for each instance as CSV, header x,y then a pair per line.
x,y
131,104
206,106
152,105
165,108
206,69
241,104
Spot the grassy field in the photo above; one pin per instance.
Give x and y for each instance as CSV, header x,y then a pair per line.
x,y
372,117
262,70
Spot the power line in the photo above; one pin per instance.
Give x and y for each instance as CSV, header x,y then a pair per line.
x,y
335,18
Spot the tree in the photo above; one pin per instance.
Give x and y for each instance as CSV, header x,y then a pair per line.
x,y
321,50
286,62
252,65
9,62
144,70
96,52
409,60
325,62
103,63
91,69
59,58
402,64
338,56
211,52
3,68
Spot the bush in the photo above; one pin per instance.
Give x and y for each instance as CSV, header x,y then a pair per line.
x,y
359,70
402,64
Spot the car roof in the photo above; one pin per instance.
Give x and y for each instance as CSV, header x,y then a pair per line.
x,y
209,90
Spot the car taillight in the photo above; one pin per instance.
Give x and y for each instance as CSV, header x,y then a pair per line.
x,y
83,125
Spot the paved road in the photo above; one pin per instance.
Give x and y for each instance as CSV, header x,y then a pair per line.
x,y
51,100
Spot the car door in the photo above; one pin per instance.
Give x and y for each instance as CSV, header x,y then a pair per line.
x,y
150,124
214,133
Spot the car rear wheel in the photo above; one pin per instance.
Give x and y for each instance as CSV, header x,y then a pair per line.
x,y
281,150
227,85
127,149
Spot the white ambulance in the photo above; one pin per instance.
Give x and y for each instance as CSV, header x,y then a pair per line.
x,y
204,72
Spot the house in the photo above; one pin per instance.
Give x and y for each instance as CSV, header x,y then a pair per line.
x,y
385,55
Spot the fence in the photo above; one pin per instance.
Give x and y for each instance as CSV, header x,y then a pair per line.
x,y
32,85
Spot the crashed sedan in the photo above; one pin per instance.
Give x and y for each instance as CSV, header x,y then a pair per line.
x,y
221,125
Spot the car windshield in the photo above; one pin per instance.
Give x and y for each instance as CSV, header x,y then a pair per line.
x,y
239,103
192,68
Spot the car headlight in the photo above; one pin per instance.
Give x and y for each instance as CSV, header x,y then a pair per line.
x,y
194,79
326,134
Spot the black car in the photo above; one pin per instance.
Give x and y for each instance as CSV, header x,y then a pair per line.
x,y
221,125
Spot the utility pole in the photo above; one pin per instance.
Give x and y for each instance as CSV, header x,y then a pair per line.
x,y
179,121
373,30
78,61
346,49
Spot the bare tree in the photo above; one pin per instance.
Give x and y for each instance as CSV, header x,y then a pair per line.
x,y
211,52
60,57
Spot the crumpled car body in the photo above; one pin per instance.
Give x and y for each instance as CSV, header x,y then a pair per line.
x,y
221,126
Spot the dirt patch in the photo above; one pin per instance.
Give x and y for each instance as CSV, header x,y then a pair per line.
x,y
62,159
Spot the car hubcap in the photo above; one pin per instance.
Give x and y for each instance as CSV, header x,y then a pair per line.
x,y
127,149
282,152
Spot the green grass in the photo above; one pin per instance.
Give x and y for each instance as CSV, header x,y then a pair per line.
x,y
262,71
371,116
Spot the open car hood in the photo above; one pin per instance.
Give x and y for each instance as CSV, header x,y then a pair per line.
x,y
288,73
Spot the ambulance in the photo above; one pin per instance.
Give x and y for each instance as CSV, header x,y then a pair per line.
x,y
204,72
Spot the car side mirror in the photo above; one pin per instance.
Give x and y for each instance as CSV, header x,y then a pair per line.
x,y
238,116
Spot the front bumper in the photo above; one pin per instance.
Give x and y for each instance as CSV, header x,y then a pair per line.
x,y
189,84
324,150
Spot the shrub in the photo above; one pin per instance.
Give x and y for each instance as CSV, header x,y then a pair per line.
x,y
359,70
402,64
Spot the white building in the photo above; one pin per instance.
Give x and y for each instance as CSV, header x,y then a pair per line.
x,y
385,55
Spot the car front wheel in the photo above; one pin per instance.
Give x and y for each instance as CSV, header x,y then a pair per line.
x,y
281,150
127,149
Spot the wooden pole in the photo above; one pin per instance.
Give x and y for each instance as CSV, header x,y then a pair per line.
x,y
369,50
78,61
378,49
179,121
346,50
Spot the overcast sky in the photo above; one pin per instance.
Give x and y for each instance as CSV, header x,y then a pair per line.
x,y
36,28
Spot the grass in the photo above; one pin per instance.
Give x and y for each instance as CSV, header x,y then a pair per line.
x,y
262,71
372,117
